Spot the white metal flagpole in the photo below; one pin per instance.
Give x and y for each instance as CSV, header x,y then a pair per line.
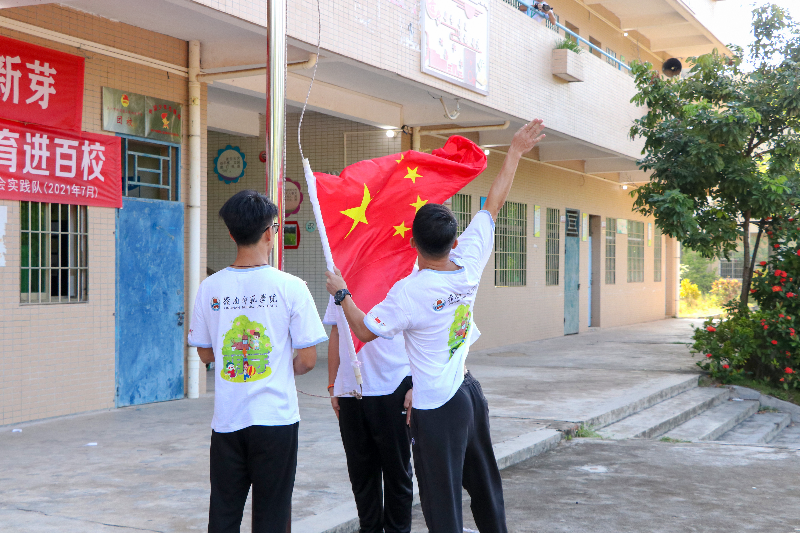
x,y
341,320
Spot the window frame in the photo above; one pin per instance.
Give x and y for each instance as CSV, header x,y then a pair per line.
x,y
461,207
511,247
635,251
552,257
658,254
611,251
176,161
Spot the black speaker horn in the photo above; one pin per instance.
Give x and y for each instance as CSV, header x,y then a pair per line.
x,y
672,67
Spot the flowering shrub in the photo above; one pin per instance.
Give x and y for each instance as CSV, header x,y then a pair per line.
x,y
762,344
724,290
689,291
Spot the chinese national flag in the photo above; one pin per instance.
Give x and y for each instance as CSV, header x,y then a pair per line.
x,y
368,211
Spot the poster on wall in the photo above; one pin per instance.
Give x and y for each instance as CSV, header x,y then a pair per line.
x,y
455,42
229,164
293,197
142,116
41,164
40,85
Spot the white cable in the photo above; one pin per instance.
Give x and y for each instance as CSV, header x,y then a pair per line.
x,y
313,77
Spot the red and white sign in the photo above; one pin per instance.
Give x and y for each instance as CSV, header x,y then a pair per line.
x,y
40,85
40,164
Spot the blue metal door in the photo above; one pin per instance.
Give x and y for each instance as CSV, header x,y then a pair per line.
x,y
589,279
571,273
149,310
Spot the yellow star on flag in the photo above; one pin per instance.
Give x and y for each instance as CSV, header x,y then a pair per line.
x,y
419,203
401,229
401,158
358,214
412,174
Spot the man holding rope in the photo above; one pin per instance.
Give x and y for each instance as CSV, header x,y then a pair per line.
x,y
433,309
373,429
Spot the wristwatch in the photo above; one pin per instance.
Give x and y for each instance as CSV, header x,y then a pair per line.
x,y
340,295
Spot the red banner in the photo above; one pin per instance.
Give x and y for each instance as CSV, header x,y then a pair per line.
x,y
40,85
41,164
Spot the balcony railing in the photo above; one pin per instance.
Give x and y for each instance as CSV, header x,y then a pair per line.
x,y
532,12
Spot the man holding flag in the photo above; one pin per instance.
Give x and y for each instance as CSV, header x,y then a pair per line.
x,y
433,309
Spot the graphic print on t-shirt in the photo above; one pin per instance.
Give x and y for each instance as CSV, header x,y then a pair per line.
x,y
245,351
459,329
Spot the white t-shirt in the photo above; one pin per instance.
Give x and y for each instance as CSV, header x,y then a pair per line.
x,y
384,363
253,319
433,309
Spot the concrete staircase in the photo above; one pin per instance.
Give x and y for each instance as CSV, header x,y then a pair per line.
x,y
729,415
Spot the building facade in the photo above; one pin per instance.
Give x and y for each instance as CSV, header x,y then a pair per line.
x,y
111,296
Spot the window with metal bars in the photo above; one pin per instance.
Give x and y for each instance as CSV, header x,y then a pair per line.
x,y
510,245
54,253
657,247
150,170
611,251
461,206
731,268
552,250
635,251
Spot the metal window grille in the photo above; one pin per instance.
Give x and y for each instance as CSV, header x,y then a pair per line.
x,y
54,253
461,205
552,247
572,229
611,251
150,170
657,247
613,54
635,251
731,268
510,245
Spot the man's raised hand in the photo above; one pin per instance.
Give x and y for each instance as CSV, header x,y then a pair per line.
x,y
527,137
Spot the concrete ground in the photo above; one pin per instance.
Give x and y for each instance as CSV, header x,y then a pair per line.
x,y
591,485
146,468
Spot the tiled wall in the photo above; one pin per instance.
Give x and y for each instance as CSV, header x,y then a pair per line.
x,y
71,368
323,139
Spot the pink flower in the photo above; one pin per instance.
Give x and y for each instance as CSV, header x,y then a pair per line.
x,y
777,288
766,326
789,370
711,329
764,263
725,367
780,316
790,295
708,355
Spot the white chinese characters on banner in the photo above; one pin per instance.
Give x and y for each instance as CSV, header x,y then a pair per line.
x,y
66,157
42,187
9,83
40,75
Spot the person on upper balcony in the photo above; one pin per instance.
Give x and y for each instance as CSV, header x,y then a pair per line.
x,y
543,11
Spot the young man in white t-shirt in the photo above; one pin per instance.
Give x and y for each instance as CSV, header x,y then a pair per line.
x,y
433,308
248,319
373,429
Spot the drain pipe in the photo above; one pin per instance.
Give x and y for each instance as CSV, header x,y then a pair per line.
x,y
193,377
417,132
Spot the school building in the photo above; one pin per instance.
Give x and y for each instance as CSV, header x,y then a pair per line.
x,y
159,107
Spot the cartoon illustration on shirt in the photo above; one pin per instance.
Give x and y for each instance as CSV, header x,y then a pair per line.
x,y
245,351
459,328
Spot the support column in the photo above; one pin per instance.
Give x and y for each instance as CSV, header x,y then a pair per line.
x,y
672,285
193,371
276,115
416,138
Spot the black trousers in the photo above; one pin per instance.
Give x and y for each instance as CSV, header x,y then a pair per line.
x,y
453,449
262,456
376,443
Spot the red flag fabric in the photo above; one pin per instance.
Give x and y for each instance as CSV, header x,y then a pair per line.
x,y
368,211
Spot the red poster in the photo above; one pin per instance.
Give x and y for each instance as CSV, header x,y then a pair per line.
x,y
42,164
40,85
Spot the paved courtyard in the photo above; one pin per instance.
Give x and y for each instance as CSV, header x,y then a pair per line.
x,y
146,468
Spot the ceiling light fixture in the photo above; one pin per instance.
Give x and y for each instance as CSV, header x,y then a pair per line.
x,y
390,133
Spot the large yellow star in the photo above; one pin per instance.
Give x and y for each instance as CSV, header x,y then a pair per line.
x,y
412,174
419,203
401,158
358,214
401,229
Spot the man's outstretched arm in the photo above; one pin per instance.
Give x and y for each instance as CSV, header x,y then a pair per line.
x,y
355,316
524,140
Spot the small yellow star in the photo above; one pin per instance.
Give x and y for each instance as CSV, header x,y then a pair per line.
x,y
358,214
401,158
412,174
419,203
401,230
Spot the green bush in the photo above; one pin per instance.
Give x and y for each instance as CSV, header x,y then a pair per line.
x,y
761,344
569,44
698,269
690,293
724,290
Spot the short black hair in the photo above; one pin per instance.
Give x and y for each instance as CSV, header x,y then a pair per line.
x,y
434,230
248,214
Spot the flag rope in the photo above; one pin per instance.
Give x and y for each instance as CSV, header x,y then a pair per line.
x,y
341,320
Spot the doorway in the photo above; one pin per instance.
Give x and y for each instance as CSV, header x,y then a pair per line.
x,y
572,272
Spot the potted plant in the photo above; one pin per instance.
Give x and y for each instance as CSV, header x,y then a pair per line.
x,y
567,63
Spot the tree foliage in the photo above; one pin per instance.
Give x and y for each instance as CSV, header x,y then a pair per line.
x,y
722,143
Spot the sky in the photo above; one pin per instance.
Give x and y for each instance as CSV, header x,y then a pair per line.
x,y
734,18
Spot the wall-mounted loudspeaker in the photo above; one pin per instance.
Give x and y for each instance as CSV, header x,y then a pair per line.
x,y
672,67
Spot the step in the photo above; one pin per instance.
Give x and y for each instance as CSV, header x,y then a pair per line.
x,y
666,415
789,437
758,429
711,424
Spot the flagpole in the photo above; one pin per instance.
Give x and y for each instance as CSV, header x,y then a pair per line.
x,y
341,320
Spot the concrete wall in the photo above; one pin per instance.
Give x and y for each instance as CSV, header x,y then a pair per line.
x,y
59,359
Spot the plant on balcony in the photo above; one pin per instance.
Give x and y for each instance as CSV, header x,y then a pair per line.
x,y
569,44
723,142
